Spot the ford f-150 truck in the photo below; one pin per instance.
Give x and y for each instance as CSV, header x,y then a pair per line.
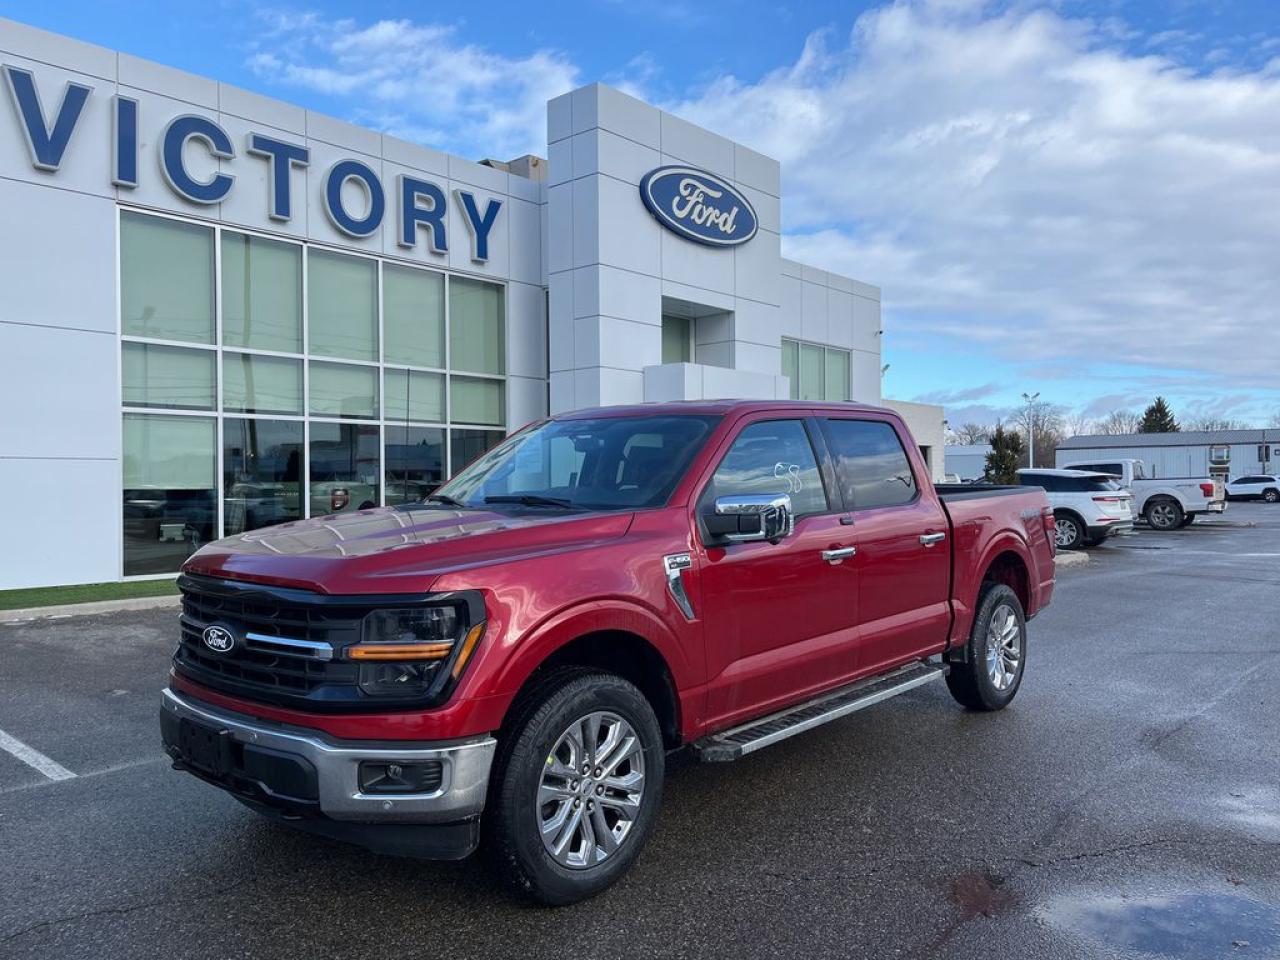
x,y
506,663
1166,503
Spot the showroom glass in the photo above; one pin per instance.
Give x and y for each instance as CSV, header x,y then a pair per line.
x,y
601,463
345,472
259,384
769,458
261,473
159,376
344,390
871,466
414,395
166,279
261,293
817,372
170,510
475,326
342,305
475,401
415,462
466,445
412,316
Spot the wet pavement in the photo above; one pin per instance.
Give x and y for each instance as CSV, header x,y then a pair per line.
x,y
1127,805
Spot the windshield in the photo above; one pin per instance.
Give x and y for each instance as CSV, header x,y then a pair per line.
x,y
604,463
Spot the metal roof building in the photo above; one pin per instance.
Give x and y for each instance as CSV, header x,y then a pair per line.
x,y
1186,453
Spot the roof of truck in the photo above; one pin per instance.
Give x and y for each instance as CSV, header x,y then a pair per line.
x,y
717,408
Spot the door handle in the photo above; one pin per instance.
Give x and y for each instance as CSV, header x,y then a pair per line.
x,y
929,539
835,556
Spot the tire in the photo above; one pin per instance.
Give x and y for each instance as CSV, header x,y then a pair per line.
x,y
547,732
1271,496
976,684
1164,513
1188,520
1070,530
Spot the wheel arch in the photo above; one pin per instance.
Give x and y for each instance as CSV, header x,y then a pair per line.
x,y
1009,568
1075,515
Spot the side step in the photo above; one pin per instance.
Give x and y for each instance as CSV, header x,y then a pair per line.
x,y
750,737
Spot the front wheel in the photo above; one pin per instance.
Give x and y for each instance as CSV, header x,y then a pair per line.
x,y
996,654
575,788
1164,514
1271,496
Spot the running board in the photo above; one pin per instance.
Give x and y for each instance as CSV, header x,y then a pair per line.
x,y
766,731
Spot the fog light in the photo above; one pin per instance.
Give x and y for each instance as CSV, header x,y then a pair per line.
x,y
395,777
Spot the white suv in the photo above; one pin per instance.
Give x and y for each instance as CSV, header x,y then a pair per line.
x,y
1254,487
1087,507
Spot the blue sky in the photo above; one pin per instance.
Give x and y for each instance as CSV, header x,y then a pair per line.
x,y
1079,198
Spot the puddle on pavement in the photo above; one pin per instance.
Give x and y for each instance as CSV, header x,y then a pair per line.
x,y
1203,926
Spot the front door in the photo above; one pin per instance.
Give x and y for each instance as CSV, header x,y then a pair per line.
x,y
780,620
903,565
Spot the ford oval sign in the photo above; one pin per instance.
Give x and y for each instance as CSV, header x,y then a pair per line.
x,y
699,206
218,639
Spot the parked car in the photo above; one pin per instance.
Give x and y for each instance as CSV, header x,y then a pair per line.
x,y
1166,503
605,586
1087,507
1254,487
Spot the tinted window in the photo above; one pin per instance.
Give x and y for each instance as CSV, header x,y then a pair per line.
x,y
1051,482
871,464
770,458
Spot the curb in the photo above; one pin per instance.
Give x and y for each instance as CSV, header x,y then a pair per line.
x,y
88,609
1071,558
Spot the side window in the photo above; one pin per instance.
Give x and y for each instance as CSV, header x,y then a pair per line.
x,y
768,458
871,465
1052,483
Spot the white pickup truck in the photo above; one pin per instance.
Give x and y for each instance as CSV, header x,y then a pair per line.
x,y
1166,503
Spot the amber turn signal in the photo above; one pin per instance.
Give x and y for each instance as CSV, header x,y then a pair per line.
x,y
400,651
468,646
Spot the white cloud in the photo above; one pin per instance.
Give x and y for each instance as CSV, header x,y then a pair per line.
x,y
1020,180
418,81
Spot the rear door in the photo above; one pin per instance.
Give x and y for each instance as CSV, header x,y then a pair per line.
x,y
903,564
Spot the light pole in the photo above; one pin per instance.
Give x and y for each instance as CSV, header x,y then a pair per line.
x,y
1030,399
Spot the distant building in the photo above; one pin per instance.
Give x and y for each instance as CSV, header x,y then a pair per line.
x,y
968,461
1191,453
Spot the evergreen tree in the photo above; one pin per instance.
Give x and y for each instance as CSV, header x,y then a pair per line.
x,y
1007,450
1158,418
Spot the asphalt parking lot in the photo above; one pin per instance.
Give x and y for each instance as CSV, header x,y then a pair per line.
x,y
1126,805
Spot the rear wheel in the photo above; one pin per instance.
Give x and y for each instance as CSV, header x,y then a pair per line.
x,y
575,788
996,654
1271,496
1164,514
1069,531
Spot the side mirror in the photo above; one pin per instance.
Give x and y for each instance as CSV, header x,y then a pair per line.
x,y
744,519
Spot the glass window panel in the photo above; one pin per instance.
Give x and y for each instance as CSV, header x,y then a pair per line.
x,y
255,384
791,365
837,375
413,316
871,464
343,390
811,372
169,510
261,293
676,340
415,462
466,445
413,395
475,401
261,473
769,458
475,326
344,467
342,306
158,376
166,279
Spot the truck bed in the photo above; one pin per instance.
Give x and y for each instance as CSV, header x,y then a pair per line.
x,y
977,491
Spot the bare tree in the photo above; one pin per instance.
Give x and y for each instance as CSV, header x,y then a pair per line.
x,y
1078,425
1214,423
972,433
1119,423
1044,420
1275,420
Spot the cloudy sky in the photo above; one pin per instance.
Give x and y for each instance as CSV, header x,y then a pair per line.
x,y
1080,198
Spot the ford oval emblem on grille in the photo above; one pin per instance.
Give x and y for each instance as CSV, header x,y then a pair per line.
x,y
218,639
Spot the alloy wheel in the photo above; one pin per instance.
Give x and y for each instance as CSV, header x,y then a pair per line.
x,y
591,790
1004,647
1163,515
1065,532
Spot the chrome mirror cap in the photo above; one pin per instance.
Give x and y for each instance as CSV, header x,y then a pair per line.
x,y
743,519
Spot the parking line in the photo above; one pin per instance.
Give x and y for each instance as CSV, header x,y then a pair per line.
x,y
34,758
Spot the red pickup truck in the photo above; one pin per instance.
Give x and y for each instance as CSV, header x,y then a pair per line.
x,y
603,587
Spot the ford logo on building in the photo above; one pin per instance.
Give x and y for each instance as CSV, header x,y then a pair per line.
x,y
699,206
218,639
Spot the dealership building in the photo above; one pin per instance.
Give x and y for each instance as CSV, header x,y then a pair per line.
x,y
220,311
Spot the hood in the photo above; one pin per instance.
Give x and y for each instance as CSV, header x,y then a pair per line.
x,y
397,549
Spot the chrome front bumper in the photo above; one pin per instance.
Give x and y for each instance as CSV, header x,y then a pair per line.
x,y
463,785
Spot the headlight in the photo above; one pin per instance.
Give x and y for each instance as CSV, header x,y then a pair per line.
x,y
414,652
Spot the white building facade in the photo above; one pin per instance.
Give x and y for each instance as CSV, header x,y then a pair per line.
x,y
220,311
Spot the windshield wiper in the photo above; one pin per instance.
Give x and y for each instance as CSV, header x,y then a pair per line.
x,y
531,500
444,498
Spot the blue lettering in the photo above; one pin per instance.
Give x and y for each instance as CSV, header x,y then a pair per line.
x,y
283,157
45,145
176,134
340,173
124,141
413,216
478,225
